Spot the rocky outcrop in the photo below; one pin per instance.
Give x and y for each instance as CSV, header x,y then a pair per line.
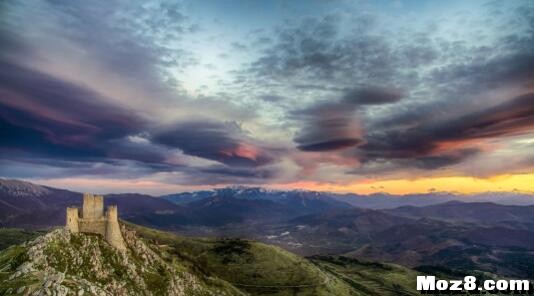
x,y
65,263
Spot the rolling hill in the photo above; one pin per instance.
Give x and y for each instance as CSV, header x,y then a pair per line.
x,y
162,263
482,213
381,236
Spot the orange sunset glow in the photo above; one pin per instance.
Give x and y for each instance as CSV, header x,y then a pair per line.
x,y
521,183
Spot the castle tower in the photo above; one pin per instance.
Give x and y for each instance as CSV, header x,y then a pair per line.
x,y
93,207
113,231
88,206
72,220
99,206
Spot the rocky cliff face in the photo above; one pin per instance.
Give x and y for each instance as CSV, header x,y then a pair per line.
x,y
62,263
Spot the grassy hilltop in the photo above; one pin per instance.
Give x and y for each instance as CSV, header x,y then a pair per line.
x,y
162,263
62,263
261,269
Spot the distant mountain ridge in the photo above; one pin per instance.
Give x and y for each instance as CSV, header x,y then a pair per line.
x,y
28,205
486,213
468,235
371,201
31,206
390,201
239,205
242,192
21,188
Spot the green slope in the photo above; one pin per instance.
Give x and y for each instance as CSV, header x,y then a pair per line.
x,y
262,269
15,236
371,278
162,263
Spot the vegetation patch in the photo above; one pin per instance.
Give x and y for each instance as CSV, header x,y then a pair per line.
x,y
15,236
12,258
370,278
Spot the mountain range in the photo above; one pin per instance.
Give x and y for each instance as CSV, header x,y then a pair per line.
x,y
372,201
439,230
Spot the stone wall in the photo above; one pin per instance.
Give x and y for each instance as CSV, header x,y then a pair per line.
x,y
93,226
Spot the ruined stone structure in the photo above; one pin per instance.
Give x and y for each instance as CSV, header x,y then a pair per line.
x,y
94,220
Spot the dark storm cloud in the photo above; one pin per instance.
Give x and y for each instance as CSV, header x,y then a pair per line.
x,y
326,127
223,142
372,96
334,125
431,142
442,160
387,163
239,172
50,168
513,116
326,145
45,118
456,84
147,153
54,126
313,57
221,174
49,116
484,74
314,53
424,142
73,130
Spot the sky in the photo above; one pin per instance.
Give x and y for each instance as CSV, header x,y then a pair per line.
x,y
334,95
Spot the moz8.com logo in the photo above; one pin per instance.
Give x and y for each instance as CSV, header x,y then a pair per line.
x,y
470,285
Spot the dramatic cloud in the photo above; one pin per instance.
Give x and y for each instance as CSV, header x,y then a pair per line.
x,y
372,96
334,125
48,116
222,142
511,117
437,143
186,93
328,126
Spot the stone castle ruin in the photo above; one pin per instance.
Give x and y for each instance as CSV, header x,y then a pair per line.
x,y
94,220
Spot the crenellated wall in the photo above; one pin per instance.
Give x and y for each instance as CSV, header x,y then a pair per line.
x,y
93,220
